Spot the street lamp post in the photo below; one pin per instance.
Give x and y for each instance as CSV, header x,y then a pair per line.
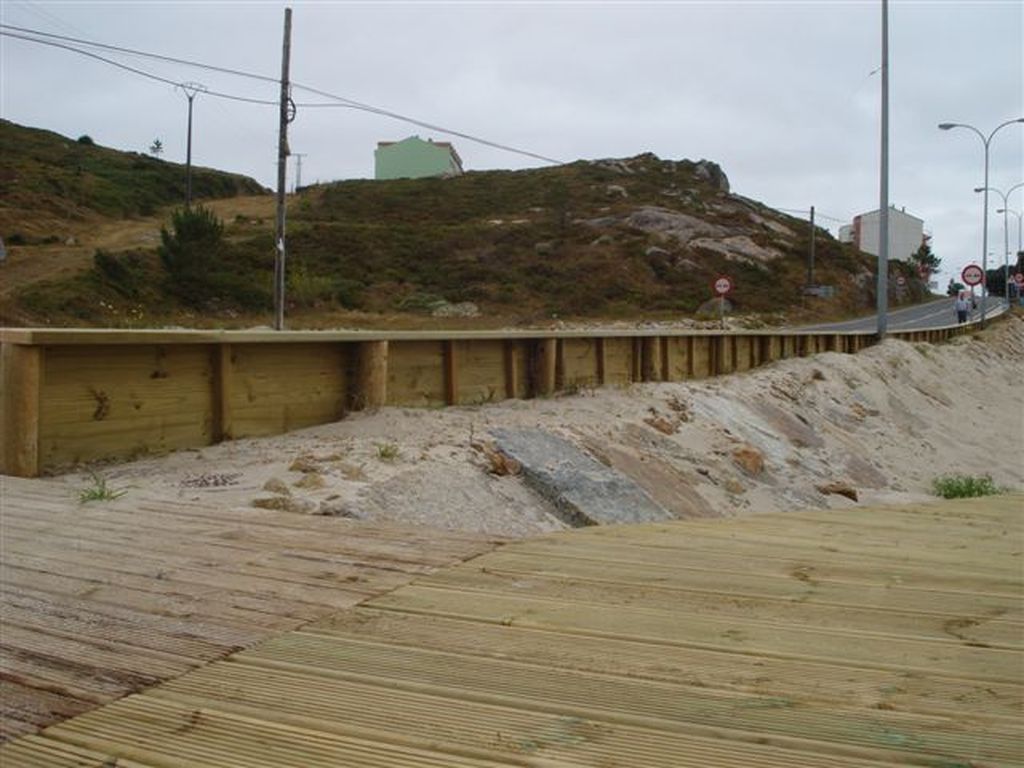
x,y
1020,221
984,231
1006,236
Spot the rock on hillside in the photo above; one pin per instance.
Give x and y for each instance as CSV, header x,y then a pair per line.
x,y
590,238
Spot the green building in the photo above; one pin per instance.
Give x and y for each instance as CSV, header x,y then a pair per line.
x,y
414,158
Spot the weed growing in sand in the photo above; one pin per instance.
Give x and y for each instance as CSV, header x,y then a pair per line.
x,y
387,451
99,491
964,486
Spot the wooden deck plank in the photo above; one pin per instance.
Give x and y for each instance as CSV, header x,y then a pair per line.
x,y
101,599
805,586
801,640
839,682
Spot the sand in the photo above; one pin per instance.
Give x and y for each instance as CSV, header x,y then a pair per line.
x,y
881,425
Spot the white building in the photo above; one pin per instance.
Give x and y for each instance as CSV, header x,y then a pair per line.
x,y
906,233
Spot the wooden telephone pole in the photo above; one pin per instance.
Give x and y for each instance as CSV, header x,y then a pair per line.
x,y
287,114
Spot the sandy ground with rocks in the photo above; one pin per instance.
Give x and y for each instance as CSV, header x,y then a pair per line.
x,y
883,424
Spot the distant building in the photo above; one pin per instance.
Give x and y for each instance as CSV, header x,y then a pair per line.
x,y
906,233
414,158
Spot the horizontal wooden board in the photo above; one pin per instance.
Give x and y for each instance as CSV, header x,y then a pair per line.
x,y
857,638
99,402
102,599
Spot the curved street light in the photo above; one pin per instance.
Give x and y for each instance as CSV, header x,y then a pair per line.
x,y
1020,222
1006,235
984,231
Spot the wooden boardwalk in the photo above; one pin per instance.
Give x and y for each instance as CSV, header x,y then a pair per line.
x,y
106,598
863,637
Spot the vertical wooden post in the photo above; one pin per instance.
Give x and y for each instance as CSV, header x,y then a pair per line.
x,y
691,345
650,358
559,365
721,347
636,369
546,365
22,370
666,358
222,366
511,368
371,384
451,372
599,352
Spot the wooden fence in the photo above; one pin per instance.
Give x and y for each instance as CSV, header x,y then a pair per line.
x,y
72,396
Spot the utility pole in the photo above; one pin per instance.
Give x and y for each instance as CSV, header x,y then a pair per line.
x,y
287,114
810,264
883,203
298,169
190,90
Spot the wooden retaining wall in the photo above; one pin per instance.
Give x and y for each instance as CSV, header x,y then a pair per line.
x,y
70,396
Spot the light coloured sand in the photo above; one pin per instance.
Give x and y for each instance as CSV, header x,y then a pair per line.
x,y
885,422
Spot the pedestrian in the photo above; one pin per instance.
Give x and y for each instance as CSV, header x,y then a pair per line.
x,y
962,306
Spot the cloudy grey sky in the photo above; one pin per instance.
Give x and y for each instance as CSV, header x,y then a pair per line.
x,y
783,95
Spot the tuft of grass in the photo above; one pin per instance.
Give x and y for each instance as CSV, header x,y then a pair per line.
x,y
99,491
964,486
387,451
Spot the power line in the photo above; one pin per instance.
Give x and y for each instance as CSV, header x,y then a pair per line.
x,y
134,70
341,101
145,54
41,13
345,102
806,212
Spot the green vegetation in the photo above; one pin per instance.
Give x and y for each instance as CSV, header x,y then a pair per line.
x,y
964,486
99,491
387,451
203,269
43,172
526,246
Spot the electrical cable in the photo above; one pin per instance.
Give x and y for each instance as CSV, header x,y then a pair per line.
x,y
135,70
146,54
341,101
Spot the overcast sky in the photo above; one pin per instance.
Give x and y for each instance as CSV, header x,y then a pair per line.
x,y
783,95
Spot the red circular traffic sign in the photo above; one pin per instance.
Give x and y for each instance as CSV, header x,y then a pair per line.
x,y
901,281
722,285
972,275
1019,278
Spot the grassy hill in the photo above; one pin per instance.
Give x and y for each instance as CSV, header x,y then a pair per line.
x,y
605,238
46,179
633,238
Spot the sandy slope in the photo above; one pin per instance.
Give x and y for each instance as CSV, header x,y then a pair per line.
x,y
885,422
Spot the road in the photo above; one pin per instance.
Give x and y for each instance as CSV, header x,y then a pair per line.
x,y
934,314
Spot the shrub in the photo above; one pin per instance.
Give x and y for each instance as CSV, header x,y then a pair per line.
x,y
190,252
125,273
86,139
964,486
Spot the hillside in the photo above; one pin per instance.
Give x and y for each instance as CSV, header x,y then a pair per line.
x,y
607,238
47,180
637,238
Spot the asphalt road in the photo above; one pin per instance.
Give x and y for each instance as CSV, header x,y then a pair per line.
x,y
934,314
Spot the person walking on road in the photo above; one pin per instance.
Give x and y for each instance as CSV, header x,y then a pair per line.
x,y
962,307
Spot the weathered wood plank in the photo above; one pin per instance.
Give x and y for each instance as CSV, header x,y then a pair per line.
x,y
21,380
98,601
